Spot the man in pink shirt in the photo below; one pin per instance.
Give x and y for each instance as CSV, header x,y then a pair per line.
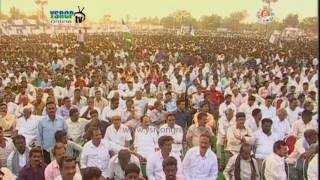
x,y
52,170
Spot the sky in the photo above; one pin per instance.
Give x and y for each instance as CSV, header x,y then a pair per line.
x,y
118,9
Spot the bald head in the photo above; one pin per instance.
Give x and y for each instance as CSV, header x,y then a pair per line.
x,y
282,114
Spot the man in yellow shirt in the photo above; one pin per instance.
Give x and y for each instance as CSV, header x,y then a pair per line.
x,y
7,120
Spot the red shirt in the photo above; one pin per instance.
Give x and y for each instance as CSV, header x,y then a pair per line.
x,y
80,83
216,97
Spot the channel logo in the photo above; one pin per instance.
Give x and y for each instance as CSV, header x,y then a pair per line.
x,y
67,16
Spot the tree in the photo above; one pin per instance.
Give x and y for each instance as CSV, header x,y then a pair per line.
x,y
15,13
310,24
210,22
234,20
4,16
179,18
269,1
292,20
42,3
275,25
149,21
168,22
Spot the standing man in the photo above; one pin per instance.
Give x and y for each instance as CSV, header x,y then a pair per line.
x,y
276,167
48,126
264,139
200,162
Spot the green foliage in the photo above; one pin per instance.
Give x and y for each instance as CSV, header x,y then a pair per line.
x,y
292,20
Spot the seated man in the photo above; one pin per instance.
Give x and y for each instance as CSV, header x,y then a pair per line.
x,y
132,172
35,166
303,145
69,170
119,162
73,149
276,166
200,162
237,135
96,152
242,165
19,157
91,173
52,170
154,162
118,133
194,131
170,169
7,120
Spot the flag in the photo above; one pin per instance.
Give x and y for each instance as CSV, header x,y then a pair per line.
x,y
127,36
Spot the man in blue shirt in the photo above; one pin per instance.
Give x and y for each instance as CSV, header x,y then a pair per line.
x,y
170,103
47,127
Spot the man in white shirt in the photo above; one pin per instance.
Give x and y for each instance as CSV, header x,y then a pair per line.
x,y
303,145
27,125
242,166
254,122
85,111
173,130
109,111
96,152
281,125
236,97
224,123
264,139
313,167
58,91
293,111
275,87
140,102
76,125
276,167
303,124
268,110
118,133
99,101
226,105
19,157
130,91
237,135
157,115
200,162
119,162
248,107
154,167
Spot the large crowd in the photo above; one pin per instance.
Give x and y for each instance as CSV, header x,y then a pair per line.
x,y
158,107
